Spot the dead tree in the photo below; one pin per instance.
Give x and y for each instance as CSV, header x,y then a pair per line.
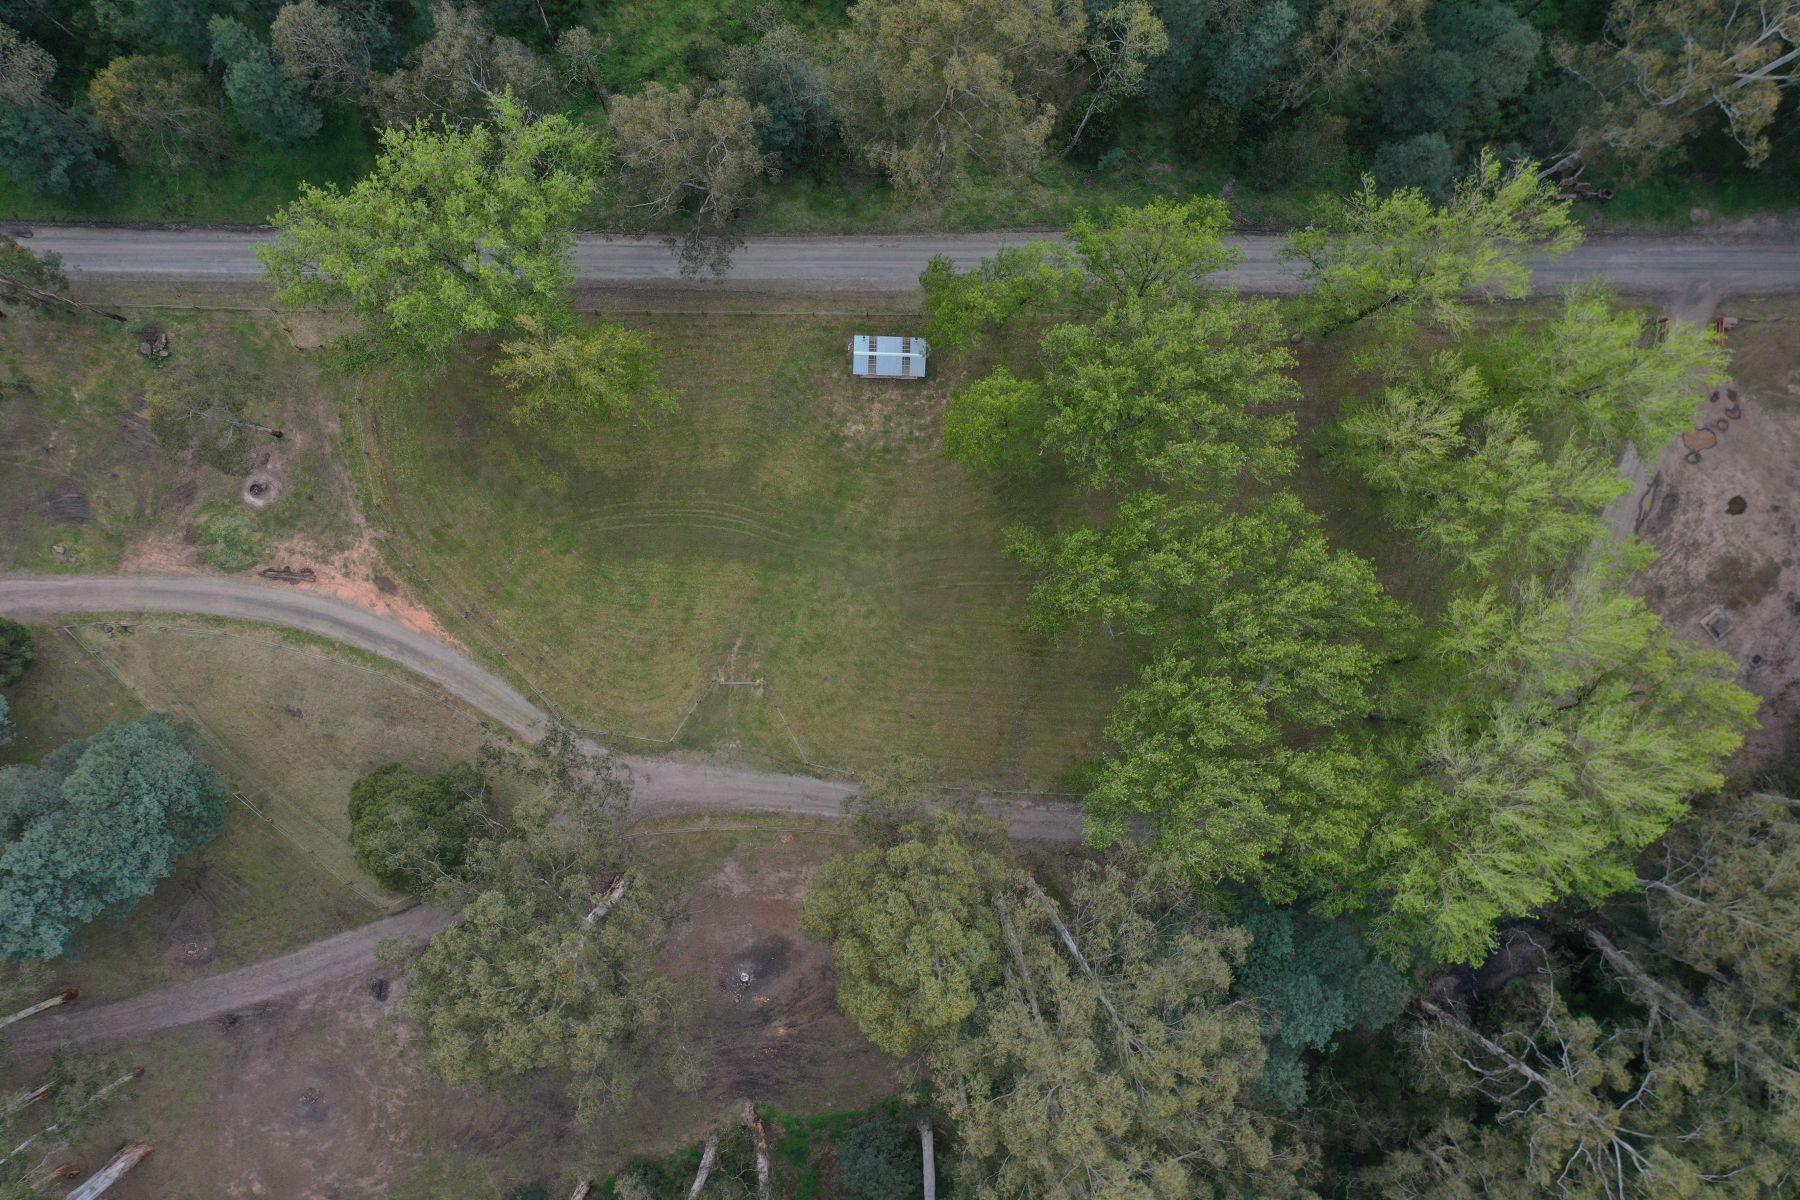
x,y
930,1164
761,1140
112,1172
706,1165
60,998
582,1190
98,1096
615,891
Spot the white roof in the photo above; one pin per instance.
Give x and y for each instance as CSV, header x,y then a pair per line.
x,y
880,356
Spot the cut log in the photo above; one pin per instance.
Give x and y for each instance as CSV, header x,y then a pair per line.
x,y
761,1139
40,1006
98,1096
113,1171
25,1100
706,1164
614,891
582,1189
930,1164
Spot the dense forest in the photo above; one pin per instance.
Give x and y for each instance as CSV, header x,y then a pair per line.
x,y
707,105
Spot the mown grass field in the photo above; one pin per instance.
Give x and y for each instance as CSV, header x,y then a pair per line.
x,y
787,525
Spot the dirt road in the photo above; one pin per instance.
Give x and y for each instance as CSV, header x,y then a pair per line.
x,y
331,961
1640,264
661,786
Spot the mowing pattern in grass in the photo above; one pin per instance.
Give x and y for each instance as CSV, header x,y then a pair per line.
x,y
789,525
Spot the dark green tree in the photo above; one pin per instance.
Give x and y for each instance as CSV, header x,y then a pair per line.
x,y
266,102
16,651
58,152
106,818
412,831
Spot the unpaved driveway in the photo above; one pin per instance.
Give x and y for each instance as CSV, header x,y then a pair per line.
x,y
306,969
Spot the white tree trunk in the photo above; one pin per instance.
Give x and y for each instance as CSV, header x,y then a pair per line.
x,y
761,1139
706,1164
930,1161
113,1171
40,1006
582,1189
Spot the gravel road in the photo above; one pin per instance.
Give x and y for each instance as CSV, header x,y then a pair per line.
x,y
323,963
1646,264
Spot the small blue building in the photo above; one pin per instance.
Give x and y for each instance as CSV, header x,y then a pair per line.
x,y
873,357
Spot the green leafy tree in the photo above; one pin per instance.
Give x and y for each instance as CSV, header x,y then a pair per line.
x,y
1559,734
547,969
1112,1060
127,803
1123,41
158,111
1161,253
412,831
880,1160
1410,261
1315,979
453,233
266,101
1594,373
1460,468
1424,162
913,930
924,89
16,651
603,371
6,723
58,152
779,77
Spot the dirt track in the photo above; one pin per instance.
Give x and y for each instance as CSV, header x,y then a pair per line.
x,y
342,957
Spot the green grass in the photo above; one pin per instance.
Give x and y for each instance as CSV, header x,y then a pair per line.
x,y
83,482
256,181
787,525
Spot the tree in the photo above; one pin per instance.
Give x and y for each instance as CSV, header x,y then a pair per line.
x,y
1314,978
1556,736
785,88
1112,1061
1346,39
879,1160
412,831
548,967
123,805
173,27
924,89
158,111
1424,162
604,371
35,281
6,723
1483,54
1123,41
25,69
913,930
461,73
16,651
1457,466
267,102
687,156
1410,261
1159,254
321,51
56,151
1665,71
454,232
1594,374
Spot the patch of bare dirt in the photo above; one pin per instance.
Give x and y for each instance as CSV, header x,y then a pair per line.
x,y
354,576
1727,523
769,1020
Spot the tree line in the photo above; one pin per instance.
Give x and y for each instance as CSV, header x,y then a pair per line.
x,y
919,93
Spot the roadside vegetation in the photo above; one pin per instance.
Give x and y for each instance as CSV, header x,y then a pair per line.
x,y
817,115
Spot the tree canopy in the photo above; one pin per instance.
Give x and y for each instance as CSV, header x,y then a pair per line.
x,y
412,831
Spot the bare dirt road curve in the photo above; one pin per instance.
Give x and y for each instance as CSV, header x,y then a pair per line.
x,y
661,786
311,967
1641,264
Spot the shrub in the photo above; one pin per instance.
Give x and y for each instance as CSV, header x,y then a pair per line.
x,y
880,1160
16,651
230,541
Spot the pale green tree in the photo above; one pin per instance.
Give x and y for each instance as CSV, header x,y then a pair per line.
x,y
453,233
1112,1060
458,75
1410,261
913,930
601,370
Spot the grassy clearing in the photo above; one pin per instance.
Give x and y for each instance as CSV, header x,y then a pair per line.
x,y
292,725
788,525
85,484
